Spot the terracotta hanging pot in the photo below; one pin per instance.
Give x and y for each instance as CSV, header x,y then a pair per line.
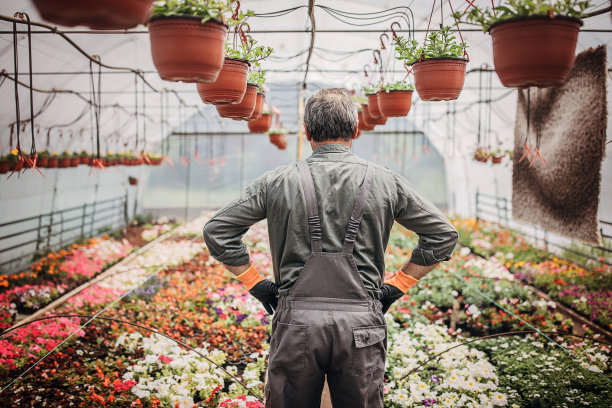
x,y
380,121
259,103
534,51
373,106
4,166
394,103
84,159
279,140
261,125
133,181
244,109
42,162
367,118
185,49
439,79
363,123
52,163
63,163
96,14
230,86
74,161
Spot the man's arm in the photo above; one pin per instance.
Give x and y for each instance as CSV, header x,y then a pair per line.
x,y
437,240
437,237
223,236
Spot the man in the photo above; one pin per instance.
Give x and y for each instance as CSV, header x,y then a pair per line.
x,y
329,220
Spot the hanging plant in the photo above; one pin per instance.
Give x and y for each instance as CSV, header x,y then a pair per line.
x,y
53,161
277,137
371,92
187,38
133,181
43,159
96,14
367,118
481,155
64,160
534,41
155,159
438,65
230,86
4,164
242,110
395,99
258,78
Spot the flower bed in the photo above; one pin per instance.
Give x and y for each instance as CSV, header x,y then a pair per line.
x,y
195,301
587,291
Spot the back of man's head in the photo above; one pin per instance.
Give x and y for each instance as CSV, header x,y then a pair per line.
x,y
330,115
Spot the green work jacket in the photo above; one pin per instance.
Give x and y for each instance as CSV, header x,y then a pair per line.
x,y
337,173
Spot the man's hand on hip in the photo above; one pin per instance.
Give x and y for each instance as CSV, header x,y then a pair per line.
x,y
390,294
260,288
266,292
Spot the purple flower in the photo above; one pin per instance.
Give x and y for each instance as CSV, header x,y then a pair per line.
x,y
265,320
435,379
428,402
240,318
219,310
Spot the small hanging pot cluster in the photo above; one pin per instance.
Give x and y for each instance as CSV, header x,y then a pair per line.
x,y
96,14
532,46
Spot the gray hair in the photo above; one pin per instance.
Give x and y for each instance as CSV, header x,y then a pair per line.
x,y
330,115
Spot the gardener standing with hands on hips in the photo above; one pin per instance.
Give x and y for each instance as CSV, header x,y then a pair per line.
x,y
329,220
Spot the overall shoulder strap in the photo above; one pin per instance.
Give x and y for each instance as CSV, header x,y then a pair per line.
x,y
314,221
360,203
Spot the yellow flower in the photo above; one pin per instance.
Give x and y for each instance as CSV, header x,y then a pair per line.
x,y
14,152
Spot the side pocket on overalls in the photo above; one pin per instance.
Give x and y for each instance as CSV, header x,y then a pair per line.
x,y
369,350
288,346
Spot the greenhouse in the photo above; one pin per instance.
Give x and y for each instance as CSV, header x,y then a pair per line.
x,y
300,204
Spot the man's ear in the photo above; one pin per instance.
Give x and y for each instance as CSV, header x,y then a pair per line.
x,y
307,134
356,132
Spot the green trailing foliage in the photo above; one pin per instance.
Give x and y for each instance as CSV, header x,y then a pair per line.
x,y
277,131
248,52
372,88
397,86
257,78
207,9
522,8
439,44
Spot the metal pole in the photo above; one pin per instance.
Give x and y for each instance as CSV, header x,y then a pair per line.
x,y
300,122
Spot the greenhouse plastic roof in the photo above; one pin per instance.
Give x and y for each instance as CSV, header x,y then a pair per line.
x,y
338,60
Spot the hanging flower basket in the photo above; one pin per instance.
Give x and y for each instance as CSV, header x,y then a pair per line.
x,y
185,49
261,125
259,104
367,118
394,103
439,79
279,140
96,14
63,162
496,160
244,109
380,121
4,166
375,112
230,86
52,163
75,161
534,51
84,158
363,124
133,181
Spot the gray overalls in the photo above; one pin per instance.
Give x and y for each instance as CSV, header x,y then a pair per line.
x,y
327,324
